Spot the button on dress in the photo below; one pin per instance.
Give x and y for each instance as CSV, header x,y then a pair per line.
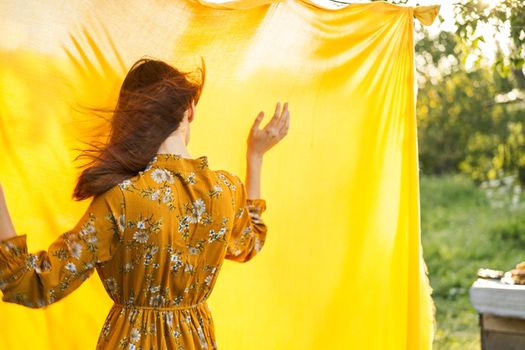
x,y
157,241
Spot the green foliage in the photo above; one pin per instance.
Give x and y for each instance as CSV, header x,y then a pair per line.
x,y
469,14
461,126
448,113
496,155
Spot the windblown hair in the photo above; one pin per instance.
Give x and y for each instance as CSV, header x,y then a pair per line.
x,y
150,106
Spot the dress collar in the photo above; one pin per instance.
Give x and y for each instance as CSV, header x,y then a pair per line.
x,y
172,161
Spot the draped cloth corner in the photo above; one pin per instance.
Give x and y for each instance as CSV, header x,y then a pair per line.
x,y
426,14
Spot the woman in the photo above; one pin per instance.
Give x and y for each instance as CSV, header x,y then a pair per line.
x,y
160,223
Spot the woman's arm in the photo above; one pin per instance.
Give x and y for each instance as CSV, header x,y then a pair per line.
x,y
37,279
7,230
259,142
253,175
249,230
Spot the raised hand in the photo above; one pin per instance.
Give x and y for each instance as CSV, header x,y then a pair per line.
x,y
261,140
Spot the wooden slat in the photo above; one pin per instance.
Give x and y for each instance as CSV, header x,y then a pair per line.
x,y
503,324
502,341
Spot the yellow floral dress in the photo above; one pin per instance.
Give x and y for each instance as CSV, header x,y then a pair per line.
x,y
157,241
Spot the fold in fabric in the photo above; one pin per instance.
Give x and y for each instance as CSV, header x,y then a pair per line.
x,y
342,266
425,14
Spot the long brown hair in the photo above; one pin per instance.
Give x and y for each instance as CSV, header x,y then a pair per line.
x,y
151,105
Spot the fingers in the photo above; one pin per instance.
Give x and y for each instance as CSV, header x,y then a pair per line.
x,y
275,117
257,120
285,122
279,123
282,118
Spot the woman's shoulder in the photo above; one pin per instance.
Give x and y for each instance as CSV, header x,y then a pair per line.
x,y
228,177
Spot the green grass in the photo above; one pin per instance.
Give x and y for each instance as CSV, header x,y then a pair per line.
x,y
461,232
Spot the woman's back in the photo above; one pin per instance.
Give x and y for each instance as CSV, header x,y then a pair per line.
x,y
181,220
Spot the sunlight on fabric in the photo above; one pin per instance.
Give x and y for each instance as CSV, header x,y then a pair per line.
x,y
342,267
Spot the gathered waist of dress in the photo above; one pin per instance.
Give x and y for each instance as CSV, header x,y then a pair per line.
x,y
159,308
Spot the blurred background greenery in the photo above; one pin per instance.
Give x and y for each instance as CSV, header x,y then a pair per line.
x,y
471,138
471,115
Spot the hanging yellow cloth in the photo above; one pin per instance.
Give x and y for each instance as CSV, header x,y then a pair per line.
x,y
342,265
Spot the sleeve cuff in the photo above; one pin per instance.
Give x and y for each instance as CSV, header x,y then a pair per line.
x,y
258,205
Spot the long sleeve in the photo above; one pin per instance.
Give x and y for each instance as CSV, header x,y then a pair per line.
x,y
44,277
249,230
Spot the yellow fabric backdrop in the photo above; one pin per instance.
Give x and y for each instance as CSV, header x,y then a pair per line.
x,y
342,267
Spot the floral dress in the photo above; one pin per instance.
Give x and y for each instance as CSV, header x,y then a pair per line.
x,y
157,241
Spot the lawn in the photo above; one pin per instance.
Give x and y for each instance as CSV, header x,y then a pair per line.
x,y
461,232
